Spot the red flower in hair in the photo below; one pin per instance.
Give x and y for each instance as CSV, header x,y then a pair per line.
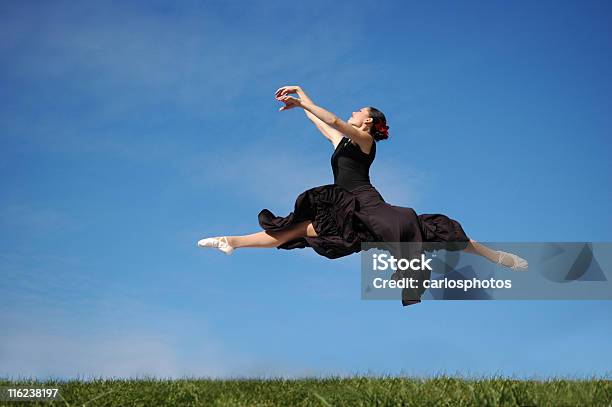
x,y
380,127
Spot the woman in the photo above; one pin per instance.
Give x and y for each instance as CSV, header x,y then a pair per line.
x,y
335,219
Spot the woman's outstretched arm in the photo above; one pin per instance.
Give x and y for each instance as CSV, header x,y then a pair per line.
x,y
358,135
333,135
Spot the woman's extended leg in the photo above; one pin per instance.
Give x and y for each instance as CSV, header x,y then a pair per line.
x,y
496,256
273,239
482,250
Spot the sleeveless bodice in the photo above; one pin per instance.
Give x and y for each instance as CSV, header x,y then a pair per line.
x,y
350,165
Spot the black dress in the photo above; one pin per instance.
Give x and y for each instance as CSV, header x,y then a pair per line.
x,y
352,211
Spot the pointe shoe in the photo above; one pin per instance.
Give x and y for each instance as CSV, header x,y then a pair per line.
x,y
518,263
217,242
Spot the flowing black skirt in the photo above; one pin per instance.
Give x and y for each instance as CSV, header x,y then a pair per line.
x,y
344,219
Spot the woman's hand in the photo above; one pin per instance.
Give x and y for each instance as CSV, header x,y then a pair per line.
x,y
287,90
290,102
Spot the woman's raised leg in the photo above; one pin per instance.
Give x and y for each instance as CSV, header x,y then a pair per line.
x,y
496,256
273,239
482,250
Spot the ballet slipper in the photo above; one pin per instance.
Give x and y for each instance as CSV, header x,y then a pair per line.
x,y
220,243
518,263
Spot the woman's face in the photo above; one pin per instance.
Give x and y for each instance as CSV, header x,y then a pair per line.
x,y
360,116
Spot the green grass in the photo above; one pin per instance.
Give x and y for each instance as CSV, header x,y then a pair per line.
x,y
355,391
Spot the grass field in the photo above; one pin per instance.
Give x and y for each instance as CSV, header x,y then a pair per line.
x,y
356,391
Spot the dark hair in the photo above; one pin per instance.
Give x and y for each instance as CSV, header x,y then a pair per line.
x,y
378,120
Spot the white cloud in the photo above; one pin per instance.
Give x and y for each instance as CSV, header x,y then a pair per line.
x,y
41,346
124,342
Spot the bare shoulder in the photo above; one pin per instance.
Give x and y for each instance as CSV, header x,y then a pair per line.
x,y
361,138
365,143
336,139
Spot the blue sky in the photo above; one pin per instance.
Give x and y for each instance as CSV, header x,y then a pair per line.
x,y
130,131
